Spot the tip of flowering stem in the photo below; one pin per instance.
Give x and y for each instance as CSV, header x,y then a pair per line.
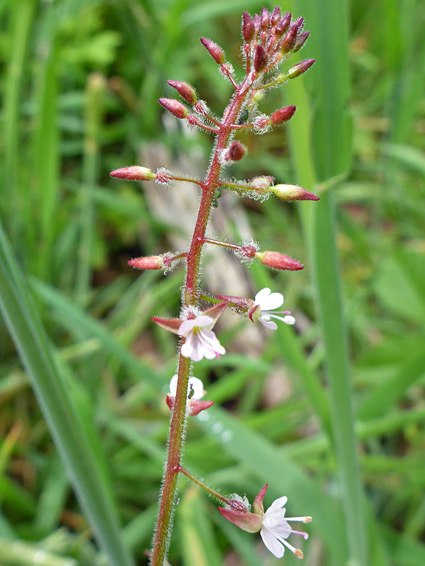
x,y
276,260
214,50
298,553
300,68
185,91
282,115
133,173
292,192
152,262
175,107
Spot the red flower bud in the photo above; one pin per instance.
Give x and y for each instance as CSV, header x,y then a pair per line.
x,y
133,173
302,38
265,18
175,107
283,24
300,68
236,151
292,192
152,262
257,23
247,27
260,58
288,42
279,261
282,115
275,16
214,50
185,91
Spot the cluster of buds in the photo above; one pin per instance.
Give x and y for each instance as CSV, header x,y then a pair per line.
x,y
269,39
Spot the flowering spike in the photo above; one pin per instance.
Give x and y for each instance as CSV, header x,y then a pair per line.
x,y
175,107
247,27
283,24
185,91
292,192
214,50
134,173
279,261
260,58
300,68
302,38
282,115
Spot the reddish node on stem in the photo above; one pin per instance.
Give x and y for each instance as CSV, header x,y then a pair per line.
x,y
134,173
260,58
175,107
277,260
214,50
300,68
185,91
282,115
247,27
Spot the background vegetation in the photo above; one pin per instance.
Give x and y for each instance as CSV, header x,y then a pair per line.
x,y
83,422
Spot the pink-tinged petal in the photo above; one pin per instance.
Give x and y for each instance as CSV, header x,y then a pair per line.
x,y
271,543
249,522
272,302
213,342
192,348
171,324
288,319
187,326
258,502
268,324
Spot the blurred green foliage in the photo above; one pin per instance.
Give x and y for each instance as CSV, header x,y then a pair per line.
x,y
79,89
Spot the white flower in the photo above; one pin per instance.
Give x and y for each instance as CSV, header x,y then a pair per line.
x,y
201,342
276,529
268,301
195,388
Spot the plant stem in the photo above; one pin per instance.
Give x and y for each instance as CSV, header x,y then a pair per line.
x,y
190,298
210,490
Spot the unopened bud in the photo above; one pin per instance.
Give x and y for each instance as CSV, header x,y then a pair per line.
x,y
257,23
275,16
277,260
260,58
247,27
152,262
302,38
290,39
300,68
185,91
235,152
214,50
134,173
292,192
283,24
265,18
175,107
282,115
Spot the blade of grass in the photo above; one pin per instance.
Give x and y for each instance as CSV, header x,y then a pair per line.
x,y
58,407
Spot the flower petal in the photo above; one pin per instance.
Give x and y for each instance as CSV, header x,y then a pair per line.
x,y
288,319
271,543
268,324
272,302
173,385
262,295
197,387
187,326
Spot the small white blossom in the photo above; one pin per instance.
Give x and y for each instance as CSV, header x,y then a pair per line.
x,y
201,341
195,388
268,301
276,529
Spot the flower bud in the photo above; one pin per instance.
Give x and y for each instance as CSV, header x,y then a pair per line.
x,y
288,42
300,68
214,50
302,38
175,107
260,58
257,23
152,262
279,261
265,18
134,173
275,17
292,192
247,27
235,152
185,91
282,115
250,522
283,24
